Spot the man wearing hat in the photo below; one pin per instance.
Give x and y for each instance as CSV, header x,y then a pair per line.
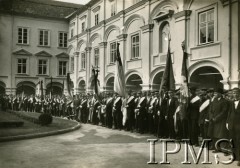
x,y
117,112
109,107
141,112
130,122
233,124
193,115
218,113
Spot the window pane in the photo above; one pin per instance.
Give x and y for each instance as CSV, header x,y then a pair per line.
x,y
211,33
202,17
203,35
19,68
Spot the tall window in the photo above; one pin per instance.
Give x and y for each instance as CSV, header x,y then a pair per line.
x,y
206,26
23,34
96,19
44,37
72,64
113,51
22,66
42,67
83,61
62,68
113,9
83,26
164,33
135,46
62,41
96,57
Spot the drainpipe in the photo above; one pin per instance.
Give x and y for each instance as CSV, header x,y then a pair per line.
x,y
230,42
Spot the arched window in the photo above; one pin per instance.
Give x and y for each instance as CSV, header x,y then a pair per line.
x,y
163,37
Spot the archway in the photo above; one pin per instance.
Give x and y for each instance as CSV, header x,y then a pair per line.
x,y
157,81
110,84
134,82
82,86
2,88
27,87
207,76
57,88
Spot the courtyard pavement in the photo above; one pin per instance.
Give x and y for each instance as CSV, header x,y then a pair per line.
x,y
94,147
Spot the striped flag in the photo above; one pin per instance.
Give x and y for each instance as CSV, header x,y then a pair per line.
x,y
119,79
168,81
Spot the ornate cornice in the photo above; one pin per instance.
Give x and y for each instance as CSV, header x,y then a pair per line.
x,y
147,28
122,36
184,13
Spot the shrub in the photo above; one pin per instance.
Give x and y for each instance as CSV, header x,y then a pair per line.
x,y
45,119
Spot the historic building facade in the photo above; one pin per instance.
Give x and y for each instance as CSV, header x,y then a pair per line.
x,y
33,46
208,28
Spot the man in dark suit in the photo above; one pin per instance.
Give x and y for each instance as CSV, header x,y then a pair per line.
x,y
218,113
109,107
170,111
117,112
233,124
162,128
141,112
130,122
193,115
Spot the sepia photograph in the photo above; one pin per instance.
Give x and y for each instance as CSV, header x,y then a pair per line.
x,y
119,83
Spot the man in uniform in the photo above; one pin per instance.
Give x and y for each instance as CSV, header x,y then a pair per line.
x,y
130,122
117,112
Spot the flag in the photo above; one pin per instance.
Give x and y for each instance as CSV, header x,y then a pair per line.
x,y
119,79
41,88
63,88
168,81
69,85
96,85
184,91
51,89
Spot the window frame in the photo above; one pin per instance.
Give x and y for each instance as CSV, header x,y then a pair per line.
x,y
139,45
83,61
59,66
28,34
26,64
96,22
47,62
96,56
213,7
48,36
112,59
63,40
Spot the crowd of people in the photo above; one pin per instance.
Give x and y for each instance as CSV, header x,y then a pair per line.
x,y
210,113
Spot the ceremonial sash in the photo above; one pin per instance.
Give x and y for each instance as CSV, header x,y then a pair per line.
x,y
115,102
141,100
196,98
175,118
108,100
130,99
204,105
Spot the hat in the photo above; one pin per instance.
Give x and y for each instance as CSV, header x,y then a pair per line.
x,y
218,90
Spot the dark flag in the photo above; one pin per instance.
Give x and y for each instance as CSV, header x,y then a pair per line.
x,y
96,85
119,79
168,81
69,85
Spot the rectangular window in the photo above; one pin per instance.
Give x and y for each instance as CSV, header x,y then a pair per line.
x,y
83,26
206,26
83,61
42,67
62,41
72,64
44,37
62,68
113,52
96,19
96,57
113,9
23,34
135,46
22,66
